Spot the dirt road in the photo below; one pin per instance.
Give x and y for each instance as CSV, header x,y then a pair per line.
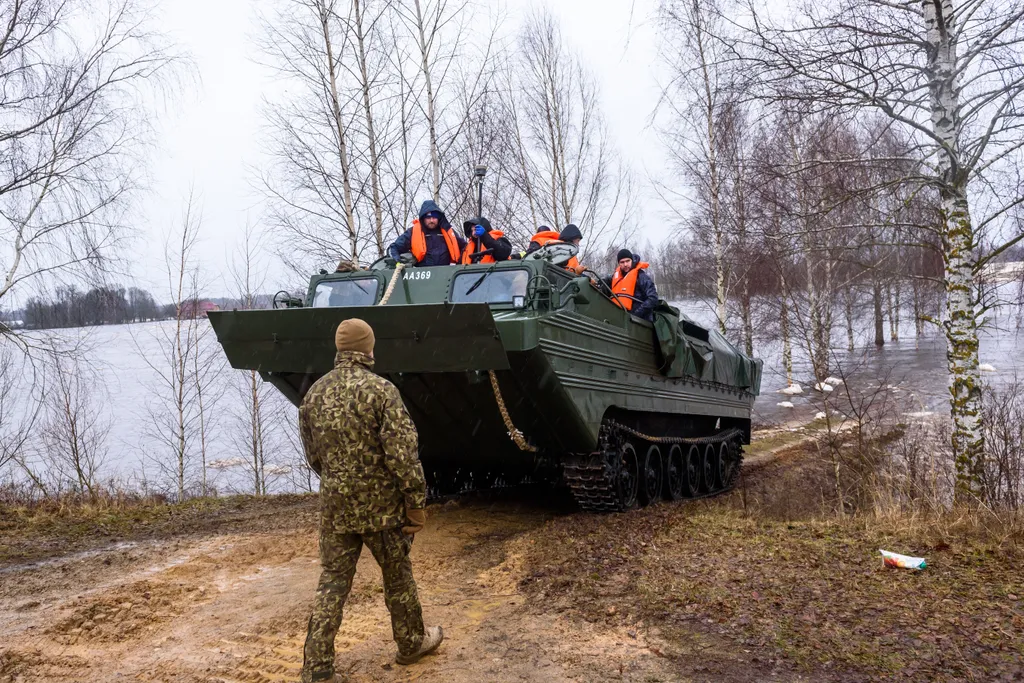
x,y
751,586
232,607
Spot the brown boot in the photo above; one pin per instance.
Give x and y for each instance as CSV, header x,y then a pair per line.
x,y
431,639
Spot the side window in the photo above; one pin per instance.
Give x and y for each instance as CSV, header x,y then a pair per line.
x,y
357,292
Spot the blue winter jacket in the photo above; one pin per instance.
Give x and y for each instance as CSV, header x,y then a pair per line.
x,y
437,248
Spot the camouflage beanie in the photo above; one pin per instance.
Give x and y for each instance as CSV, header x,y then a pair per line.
x,y
354,335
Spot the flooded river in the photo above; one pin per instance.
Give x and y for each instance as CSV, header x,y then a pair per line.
x,y
126,363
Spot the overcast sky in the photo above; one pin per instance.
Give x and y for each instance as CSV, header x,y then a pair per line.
x,y
210,136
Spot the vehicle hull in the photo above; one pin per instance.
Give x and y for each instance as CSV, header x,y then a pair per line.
x,y
560,374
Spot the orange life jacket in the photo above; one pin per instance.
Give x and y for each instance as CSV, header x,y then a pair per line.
x,y
550,236
542,238
419,242
626,284
471,249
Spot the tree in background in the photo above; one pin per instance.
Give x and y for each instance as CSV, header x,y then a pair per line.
x,y
950,75
77,78
394,101
259,411
181,410
74,428
699,99
561,155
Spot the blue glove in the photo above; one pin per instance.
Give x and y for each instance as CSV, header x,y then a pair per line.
x,y
478,231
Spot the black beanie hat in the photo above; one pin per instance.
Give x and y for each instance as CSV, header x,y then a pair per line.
x,y
570,233
543,228
624,253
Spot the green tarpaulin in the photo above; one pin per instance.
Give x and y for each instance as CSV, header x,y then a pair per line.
x,y
688,350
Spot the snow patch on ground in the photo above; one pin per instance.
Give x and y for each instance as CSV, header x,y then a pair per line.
x,y
784,404
792,390
986,367
821,386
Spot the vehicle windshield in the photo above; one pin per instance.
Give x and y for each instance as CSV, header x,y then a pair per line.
x,y
496,287
361,292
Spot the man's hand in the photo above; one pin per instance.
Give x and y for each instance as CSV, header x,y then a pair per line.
x,y
407,258
414,521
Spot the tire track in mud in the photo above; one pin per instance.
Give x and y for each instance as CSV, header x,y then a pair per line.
x,y
233,608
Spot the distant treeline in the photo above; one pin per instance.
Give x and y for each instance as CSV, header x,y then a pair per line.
x,y
114,305
108,305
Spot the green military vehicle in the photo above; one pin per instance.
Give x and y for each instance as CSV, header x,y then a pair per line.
x,y
521,370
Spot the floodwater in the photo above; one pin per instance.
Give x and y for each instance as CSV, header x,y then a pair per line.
x,y
913,371
126,364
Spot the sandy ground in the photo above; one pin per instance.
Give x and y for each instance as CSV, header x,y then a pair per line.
x,y
233,607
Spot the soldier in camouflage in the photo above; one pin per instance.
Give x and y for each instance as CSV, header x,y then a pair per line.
x,y
359,438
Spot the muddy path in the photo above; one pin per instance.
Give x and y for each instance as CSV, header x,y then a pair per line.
x,y
233,607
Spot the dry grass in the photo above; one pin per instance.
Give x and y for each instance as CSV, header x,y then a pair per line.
x,y
39,529
812,594
782,575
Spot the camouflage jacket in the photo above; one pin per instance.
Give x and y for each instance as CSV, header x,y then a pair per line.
x,y
357,433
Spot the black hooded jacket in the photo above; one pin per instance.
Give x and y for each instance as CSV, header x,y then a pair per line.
x,y
437,248
500,247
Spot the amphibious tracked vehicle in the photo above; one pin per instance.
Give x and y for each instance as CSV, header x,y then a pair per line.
x,y
521,370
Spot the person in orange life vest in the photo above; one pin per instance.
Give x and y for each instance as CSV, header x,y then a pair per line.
x,y
484,245
543,235
430,241
572,235
631,280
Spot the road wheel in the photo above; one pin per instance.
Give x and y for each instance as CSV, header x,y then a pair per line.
x,y
653,475
675,473
709,468
628,479
693,467
726,461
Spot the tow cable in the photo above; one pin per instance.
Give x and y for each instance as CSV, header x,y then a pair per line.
x,y
514,433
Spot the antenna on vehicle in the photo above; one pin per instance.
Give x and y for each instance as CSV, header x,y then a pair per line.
x,y
479,171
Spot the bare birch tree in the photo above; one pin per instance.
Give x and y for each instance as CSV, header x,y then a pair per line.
x,y
310,184
74,428
951,73
570,169
254,414
75,78
181,408
697,98
21,395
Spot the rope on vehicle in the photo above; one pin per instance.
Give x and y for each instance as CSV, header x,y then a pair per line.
x,y
517,436
399,267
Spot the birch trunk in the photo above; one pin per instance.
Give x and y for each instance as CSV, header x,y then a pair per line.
x,y
201,405
256,436
787,347
848,300
371,133
897,305
748,326
435,160
718,233
876,300
918,313
958,241
339,126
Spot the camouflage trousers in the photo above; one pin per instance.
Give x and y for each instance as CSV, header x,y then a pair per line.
x,y
339,553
